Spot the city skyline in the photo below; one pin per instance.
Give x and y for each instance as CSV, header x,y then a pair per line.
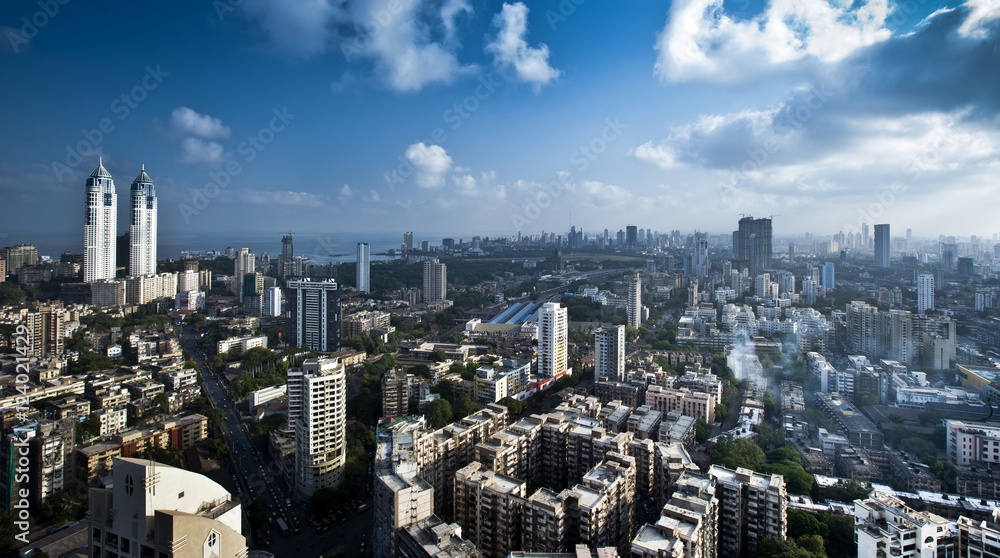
x,y
673,122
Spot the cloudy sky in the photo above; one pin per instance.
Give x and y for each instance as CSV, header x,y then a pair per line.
x,y
471,116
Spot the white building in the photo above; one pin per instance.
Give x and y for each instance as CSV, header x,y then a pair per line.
x,y
264,395
243,264
364,267
100,230
553,338
973,442
609,354
188,280
241,344
142,230
925,292
829,275
317,406
885,526
435,280
189,300
113,420
272,302
141,289
634,301
153,509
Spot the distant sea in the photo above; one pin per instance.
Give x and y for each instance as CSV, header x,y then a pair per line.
x,y
321,248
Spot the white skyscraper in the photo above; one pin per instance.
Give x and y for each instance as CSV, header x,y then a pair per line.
x,y
142,229
364,267
317,406
829,275
435,280
609,354
553,336
634,302
242,264
100,229
925,292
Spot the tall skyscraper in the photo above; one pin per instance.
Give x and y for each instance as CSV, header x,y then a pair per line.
x,y
701,263
142,228
631,235
634,301
553,337
364,267
925,293
100,229
408,241
286,265
909,238
609,354
829,271
243,263
865,236
314,308
752,245
882,245
317,405
435,280
152,509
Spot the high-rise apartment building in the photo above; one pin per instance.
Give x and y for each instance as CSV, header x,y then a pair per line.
x,y
688,523
408,241
862,331
435,280
829,275
142,227
925,292
243,263
36,462
364,267
314,312
609,354
488,506
882,245
752,245
317,406
152,509
752,507
700,259
100,229
46,330
553,339
19,256
634,301
286,264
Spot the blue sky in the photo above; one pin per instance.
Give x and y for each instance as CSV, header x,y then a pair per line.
x,y
603,114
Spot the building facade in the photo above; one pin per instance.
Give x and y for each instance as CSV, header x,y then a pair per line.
x,y
314,308
100,230
364,267
553,340
609,354
142,228
435,280
317,410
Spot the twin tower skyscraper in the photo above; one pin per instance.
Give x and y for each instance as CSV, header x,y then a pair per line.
x,y
101,226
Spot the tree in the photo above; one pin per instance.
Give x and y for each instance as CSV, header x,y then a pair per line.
x,y
734,453
812,543
924,449
895,418
721,410
215,417
801,524
162,402
466,406
190,364
784,453
782,548
848,491
218,447
439,412
438,355
840,535
514,407
769,436
701,431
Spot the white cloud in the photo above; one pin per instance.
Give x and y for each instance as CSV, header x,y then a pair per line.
x,y
981,13
511,49
345,193
701,42
432,163
194,150
450,12
658,154
188,122
373,196
281,197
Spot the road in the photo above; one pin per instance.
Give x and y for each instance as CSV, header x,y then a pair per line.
x,y
252,478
